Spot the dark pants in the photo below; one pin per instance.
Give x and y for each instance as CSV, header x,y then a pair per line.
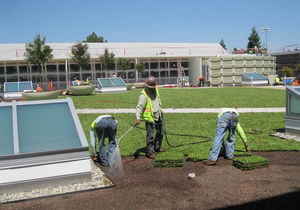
x,y
201,83
106,127
153,144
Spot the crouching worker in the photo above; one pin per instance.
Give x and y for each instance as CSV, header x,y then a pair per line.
x,y
228,119
104,126
149,109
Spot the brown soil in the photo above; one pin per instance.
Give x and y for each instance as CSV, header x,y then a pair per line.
x,y
220,186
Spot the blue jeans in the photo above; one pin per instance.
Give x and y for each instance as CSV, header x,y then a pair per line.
x,y
107,127
228,121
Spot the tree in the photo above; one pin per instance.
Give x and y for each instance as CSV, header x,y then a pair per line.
x,y
222,43
287,71
94,38
38,53
124,64
254,41
81,55
107,60
141,66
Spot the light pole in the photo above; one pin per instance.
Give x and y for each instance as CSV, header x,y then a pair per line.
x,y
265,30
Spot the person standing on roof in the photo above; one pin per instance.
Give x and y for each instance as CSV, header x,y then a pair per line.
x,y
104,126
149,109
228,119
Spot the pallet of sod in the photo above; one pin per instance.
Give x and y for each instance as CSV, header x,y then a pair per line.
x,y
169,159
250,162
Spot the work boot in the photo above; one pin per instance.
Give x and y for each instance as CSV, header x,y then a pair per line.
x,y
94,158
152,156
210,162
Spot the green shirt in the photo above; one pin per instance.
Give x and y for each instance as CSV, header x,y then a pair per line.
x,y
239,128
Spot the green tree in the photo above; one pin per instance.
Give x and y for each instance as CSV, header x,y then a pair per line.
x,y
94,38
107,59
254,41
124,64
222,43
38,53
80,55
141,66
287,71
297,67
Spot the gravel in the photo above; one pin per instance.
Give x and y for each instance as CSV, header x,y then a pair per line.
x,y
99,180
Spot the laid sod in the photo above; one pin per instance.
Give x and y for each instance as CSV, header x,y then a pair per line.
x,y
196,157
189,98
169,159
251,162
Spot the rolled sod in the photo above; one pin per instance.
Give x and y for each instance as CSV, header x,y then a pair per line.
x,y
169,159
250,162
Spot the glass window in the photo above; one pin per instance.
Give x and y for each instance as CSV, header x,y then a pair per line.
x,y
52,77
154,65
144,74
132,66
87,68
2,80
173,65
99,75
98,66
72,76
35,69
131,75
185,64
84,76
154,73
36,135
24,78
173,73
62,77
163,73
147,65
11,70
12,78
186,72
163,65
6,126
74,68
1,70
61,68
51,68
23,69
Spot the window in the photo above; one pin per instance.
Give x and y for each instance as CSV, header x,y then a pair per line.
x,y
12,78
61,68
163,65
173,65
87,68
1,70
35,69
2,79
51,68
98,66
154,73
144,74
84,76
164,74
173,73
52,77
154,65
74,68
11,70
131,75
24,78
185,64
62,77
23,69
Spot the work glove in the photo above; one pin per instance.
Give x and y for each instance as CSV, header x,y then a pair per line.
x,y
137,121
247,148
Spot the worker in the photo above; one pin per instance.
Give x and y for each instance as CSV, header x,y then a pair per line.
x,y
228,119
149,110
277,80
38,88
87,81
104,126
201,81
78,82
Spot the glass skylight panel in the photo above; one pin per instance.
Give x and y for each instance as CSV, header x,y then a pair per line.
x,y
17,86
105,82
6,130
46,127
118,82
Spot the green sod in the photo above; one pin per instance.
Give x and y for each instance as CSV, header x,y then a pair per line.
x,y
169,159
251,162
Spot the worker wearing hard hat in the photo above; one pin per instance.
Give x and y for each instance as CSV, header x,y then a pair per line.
x,y
104,126
149,109
228,119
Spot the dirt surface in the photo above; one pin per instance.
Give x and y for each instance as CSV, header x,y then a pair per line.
x,y
220,186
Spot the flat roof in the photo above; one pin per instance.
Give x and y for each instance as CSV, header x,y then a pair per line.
x,y
15,52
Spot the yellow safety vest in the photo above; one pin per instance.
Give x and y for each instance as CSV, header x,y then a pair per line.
x,y
148,111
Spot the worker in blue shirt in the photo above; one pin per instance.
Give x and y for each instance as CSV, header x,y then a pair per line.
x,y
228,119
104,126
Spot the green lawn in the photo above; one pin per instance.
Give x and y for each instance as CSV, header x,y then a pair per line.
x,y
258,127
189,98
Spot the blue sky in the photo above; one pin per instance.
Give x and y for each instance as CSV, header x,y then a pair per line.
x,y
192,21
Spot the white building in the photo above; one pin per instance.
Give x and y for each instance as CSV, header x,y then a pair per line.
x,y
162,61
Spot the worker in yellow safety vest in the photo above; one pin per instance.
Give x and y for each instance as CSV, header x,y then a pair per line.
x,y
149,110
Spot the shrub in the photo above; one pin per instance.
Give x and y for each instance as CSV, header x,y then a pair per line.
x,y
287,71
